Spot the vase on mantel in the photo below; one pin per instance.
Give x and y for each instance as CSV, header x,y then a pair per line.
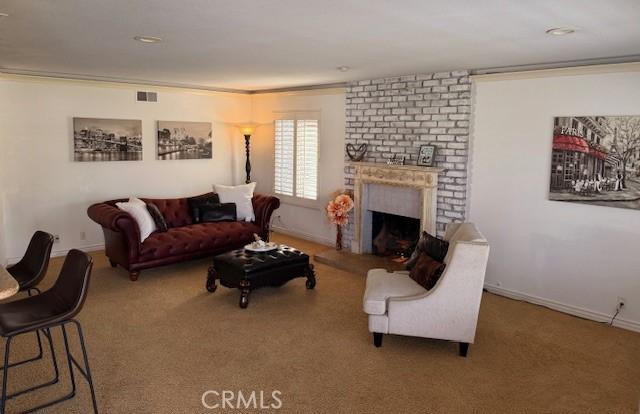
x,y
339,237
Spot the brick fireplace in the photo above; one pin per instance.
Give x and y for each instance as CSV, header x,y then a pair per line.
x,y
402,190
397,115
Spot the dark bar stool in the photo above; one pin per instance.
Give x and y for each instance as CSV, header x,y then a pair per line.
x,y
55,307
30,271
32,268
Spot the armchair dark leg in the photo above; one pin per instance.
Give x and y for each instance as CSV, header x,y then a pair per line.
x,y
377,339
112,263
133,275
463,347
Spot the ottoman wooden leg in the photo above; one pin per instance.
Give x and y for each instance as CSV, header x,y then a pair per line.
x,y
311,277
245,288
211,279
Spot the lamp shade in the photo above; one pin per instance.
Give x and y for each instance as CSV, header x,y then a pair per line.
x,y
247,129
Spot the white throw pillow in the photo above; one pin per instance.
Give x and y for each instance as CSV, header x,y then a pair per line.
x,y
138,210
239,194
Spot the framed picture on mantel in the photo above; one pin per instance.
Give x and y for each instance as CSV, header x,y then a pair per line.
x,y
426,155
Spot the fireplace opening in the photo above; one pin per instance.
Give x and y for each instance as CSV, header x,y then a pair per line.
x,y
393,235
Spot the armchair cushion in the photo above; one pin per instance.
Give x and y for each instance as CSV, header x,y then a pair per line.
x,y
382,285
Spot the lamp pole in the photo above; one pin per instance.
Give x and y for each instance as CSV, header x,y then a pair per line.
x,y
247,138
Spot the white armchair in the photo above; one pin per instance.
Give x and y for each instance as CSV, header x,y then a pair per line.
x,y
396,304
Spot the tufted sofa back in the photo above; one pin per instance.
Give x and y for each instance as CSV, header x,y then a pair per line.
x,y
174,210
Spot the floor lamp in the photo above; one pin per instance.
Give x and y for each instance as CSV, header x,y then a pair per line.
x,y
247,131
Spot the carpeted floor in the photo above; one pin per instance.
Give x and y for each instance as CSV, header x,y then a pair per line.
x,y
157,344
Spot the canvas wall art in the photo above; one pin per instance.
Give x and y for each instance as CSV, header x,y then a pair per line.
x,y
596,160
97,139
184,140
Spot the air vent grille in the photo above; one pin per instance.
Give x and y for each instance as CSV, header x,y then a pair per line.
x,y
147,96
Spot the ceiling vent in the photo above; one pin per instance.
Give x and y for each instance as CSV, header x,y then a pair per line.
x,y
147,96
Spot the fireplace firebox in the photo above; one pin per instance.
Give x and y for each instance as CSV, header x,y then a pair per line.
x,y
393,235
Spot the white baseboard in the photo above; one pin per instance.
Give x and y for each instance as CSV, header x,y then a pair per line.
x,y
563,307
63,252
303,235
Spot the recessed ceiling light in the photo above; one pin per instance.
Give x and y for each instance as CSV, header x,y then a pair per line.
x,y
560,31
148,39
4,15
343,68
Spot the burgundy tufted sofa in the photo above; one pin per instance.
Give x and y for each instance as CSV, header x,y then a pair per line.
x,y
182,241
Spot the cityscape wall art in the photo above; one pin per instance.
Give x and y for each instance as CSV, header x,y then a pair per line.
x,y
184,140
596,160
97,139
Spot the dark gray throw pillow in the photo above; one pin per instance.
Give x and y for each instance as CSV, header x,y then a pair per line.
x,y
157,217
433,246
196,203
218,212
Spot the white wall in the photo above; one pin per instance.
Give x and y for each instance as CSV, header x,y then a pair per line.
x,y
3,254
573,257
307,221
44,189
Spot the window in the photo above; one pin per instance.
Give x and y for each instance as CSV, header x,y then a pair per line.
x,y
296,156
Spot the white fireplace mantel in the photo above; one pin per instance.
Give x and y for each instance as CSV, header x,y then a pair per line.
x,y
423,179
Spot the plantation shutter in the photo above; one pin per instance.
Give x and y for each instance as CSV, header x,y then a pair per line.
x,y
296,156
284,156
307,159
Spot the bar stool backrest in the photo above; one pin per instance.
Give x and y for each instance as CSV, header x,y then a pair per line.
x,y
73,282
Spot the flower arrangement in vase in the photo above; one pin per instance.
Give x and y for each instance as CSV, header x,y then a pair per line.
x,y
338,212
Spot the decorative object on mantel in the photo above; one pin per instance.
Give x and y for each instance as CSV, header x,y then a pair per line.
x,y
595,161
338,212
426,155
356,154
396,160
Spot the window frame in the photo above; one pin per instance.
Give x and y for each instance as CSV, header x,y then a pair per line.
x,y
296,115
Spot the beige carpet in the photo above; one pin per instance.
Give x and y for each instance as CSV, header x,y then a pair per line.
x,y
157,344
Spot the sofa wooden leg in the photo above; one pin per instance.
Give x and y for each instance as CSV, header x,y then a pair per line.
x,y
463,347
377,339
133,275
112,263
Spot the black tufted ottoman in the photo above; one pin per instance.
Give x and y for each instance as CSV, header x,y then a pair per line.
x,y
246,270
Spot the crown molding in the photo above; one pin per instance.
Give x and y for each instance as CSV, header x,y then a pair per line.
x,y
114,80
540,71
159,84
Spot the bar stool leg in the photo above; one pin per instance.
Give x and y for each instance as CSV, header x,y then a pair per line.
x,y
66,347
86,365
7,350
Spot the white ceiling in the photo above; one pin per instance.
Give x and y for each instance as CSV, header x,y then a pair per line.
x,y
263,44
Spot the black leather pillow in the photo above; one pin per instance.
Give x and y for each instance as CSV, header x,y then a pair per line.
x,y
157,217
196,203
218,212
433,246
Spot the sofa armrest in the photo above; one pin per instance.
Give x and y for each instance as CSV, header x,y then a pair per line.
x,y
263,206
116,220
